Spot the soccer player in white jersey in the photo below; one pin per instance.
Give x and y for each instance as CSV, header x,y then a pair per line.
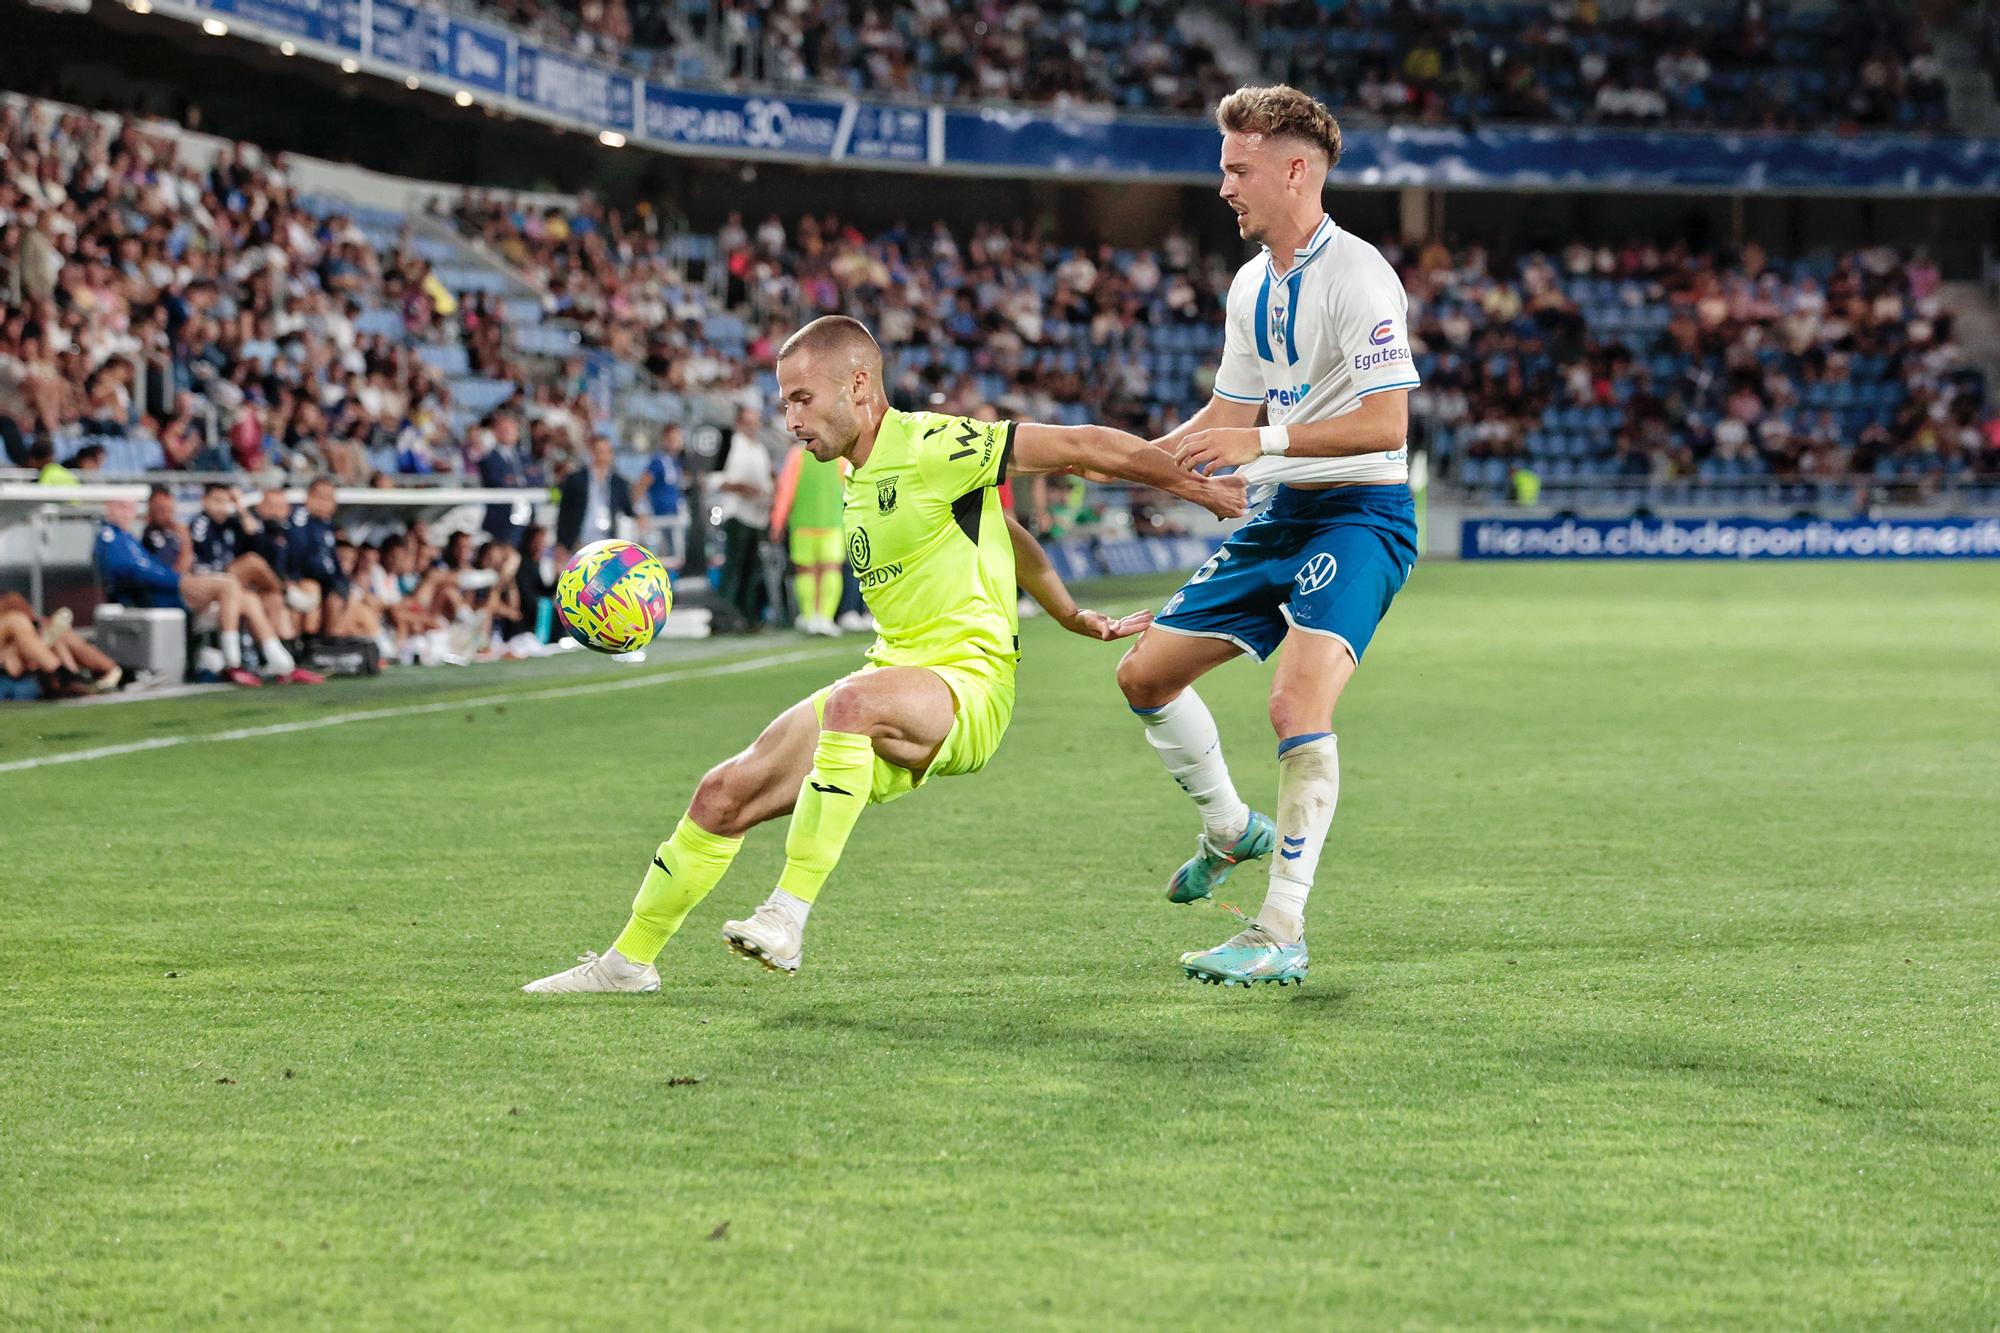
x,y
1317,342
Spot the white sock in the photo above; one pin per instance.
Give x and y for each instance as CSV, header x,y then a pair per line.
x,y
1184,733
232,649
1308,791
793,907
275,657
620,961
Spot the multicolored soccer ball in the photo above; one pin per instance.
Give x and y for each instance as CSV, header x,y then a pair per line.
x,y
613,596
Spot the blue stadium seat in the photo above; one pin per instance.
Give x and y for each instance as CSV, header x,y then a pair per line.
x,y
477,393
445,358
379,322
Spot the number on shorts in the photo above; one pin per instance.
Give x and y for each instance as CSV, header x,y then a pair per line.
x,y
1213,563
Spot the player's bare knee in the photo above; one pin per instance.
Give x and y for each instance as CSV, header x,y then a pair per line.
x,y
1142,686
720,800
1293,713
852,707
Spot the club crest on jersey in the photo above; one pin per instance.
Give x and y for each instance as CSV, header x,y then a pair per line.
x,y
1317,573
1277,324
885,495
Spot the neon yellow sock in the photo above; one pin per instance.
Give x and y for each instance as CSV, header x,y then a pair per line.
x,y
829,592
805,591
686,867
830,800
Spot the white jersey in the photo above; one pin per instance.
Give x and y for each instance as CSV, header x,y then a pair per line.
x,y
1311,344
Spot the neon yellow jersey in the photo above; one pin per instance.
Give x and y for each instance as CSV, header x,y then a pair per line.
x,y
928,543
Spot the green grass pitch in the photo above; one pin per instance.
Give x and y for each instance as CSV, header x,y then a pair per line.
x,y
1656,982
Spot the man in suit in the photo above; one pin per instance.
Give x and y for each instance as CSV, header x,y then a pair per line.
x,y
505,466
594,498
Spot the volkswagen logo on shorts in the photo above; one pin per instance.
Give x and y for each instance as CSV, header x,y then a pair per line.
x,y
1318,572
857,550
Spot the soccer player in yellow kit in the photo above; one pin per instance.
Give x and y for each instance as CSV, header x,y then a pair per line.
x,y
809,500
938,563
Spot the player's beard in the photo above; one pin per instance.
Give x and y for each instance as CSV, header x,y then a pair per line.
x,y
848,431
842,431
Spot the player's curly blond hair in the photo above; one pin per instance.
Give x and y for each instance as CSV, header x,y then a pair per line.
x,y
1281,112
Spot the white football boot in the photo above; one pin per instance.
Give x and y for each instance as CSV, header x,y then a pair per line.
x,y
768,937
606,972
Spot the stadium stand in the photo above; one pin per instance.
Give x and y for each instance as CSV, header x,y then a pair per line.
x,y
165,318
1661,372
216,318
1594,365
1052,332
1755,65
1598,369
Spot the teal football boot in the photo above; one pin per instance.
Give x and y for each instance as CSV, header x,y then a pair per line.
x,y
1210,865
1247,957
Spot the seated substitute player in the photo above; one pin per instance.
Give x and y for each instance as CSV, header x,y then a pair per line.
x,y
132,576
1315,337
312,556
937,563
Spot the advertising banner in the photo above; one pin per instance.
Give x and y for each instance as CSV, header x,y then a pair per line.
x,y
1730,539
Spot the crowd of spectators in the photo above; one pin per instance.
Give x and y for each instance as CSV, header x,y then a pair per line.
x,y
1606,363
1749,65
209,315
1128,53
1746,64
1612,361
1125,53
1648,366
1000,317
208,318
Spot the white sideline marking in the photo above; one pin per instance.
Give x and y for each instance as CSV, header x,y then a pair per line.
x,y
410,710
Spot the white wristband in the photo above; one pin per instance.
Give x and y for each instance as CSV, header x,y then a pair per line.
x,y
1273,439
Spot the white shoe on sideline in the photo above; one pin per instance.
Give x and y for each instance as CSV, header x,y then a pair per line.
x,y
612,971
768,937
857,620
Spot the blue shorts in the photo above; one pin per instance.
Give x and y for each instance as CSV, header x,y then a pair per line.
x,y
1327,562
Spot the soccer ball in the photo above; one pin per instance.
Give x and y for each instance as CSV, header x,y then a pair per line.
x,y
612,596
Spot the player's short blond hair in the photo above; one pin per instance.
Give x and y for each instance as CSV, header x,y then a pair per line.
x,y
1281,112
838,334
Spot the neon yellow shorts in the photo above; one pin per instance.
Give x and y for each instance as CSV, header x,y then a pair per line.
x,y
985,705
817,546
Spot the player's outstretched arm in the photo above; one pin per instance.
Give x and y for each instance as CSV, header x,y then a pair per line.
x,y
1033,572
1127,457
1379,424
1218,413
